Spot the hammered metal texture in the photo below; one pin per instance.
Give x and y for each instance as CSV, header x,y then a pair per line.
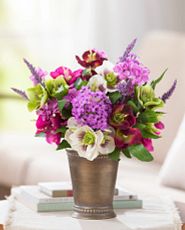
x,y
93,186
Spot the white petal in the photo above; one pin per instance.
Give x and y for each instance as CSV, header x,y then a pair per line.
x,y
106,67
72,123
108,147
96,81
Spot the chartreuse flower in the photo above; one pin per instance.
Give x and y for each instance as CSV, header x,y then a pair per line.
x,y
57,87
111,79
146,97
37,96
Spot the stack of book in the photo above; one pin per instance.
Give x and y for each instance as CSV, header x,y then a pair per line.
x,y
58,196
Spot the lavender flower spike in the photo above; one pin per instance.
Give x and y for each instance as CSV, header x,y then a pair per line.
x,y
34,72
20,92
168,94
128,50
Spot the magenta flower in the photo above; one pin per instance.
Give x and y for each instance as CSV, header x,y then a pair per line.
x,y
125,138
148,144
159,125
91,108
132,69
49,120
40,76
92,58
68,75
122,117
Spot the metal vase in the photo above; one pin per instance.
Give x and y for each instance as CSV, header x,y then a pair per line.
x,y
93,186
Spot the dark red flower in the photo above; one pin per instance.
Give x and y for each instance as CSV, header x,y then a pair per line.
x,y
91,58
122,117
125,138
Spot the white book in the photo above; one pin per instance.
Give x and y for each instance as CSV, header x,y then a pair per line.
x,y
31,197
56,189
59,189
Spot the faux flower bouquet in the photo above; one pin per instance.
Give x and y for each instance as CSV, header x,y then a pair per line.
x,y
100,108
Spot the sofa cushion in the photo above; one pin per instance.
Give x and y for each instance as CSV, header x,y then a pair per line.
x,y
173,170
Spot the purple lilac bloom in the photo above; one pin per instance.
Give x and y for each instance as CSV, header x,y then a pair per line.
x,y
128,50
132,69
91,108
168,94
126,88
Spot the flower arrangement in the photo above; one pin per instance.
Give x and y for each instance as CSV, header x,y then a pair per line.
x,y
100,108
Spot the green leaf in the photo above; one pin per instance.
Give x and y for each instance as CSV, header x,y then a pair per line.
x,y
146,131
127,153
115,155
133,105
79,83
61,104
140,152
61,130
63,145
66,112
42,134
155,82
114,96
148,116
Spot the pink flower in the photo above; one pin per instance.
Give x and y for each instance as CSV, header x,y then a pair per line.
x,y
52,137
159,125
148,144
68,75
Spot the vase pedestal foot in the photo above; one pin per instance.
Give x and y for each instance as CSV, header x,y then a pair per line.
x,y
96,213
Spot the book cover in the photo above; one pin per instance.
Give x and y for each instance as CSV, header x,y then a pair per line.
x,y
36,200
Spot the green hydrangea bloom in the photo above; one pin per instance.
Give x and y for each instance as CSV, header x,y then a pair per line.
x,y
57,87
146,97
37,96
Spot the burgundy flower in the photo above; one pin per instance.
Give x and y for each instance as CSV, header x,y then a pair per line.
x,y
91,58
125,138
122,117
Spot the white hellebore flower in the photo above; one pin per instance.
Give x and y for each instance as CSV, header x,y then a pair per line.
x,y
88,143
85,141
105,68
97,82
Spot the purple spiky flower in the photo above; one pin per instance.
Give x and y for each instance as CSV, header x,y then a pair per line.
x,y
20,93
128,50
169,93
37,74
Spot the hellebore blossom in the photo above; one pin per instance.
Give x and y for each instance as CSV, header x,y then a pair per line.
x,y
125,138
146,97
122,117
91,58
87,142
37,96
97,83
57,87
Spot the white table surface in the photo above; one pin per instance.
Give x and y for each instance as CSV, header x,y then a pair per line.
x,y
155,215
